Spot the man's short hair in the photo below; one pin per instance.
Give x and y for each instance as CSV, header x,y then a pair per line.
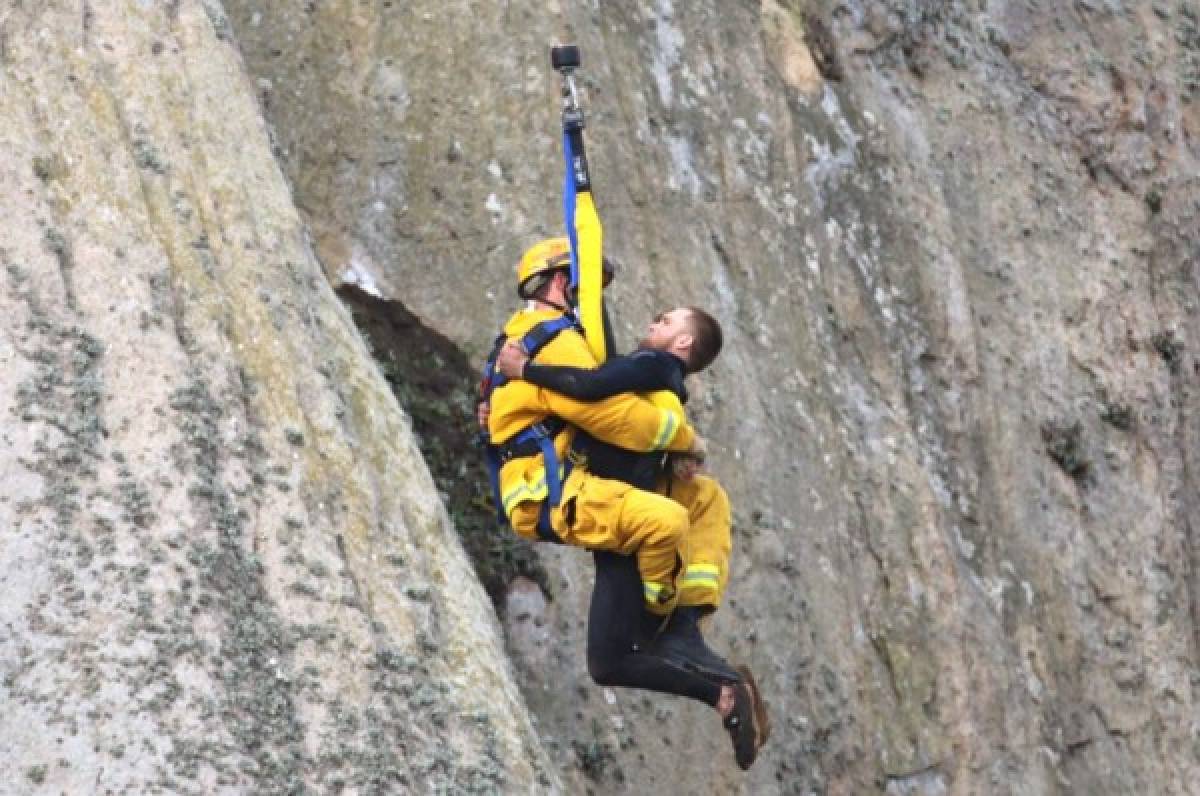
x,y
706,339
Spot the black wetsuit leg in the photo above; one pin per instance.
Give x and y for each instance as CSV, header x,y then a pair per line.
x,y
617,623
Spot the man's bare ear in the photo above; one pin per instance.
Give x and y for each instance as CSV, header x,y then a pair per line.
x,y
684,341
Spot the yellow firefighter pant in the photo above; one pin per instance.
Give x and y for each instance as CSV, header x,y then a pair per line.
x,y
603,514
706,546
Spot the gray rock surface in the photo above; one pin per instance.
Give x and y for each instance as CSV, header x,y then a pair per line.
x,y
224,564
954,246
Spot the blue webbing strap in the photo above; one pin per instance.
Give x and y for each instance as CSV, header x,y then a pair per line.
x,y
569,208
545,530
493,467
544,438
544,332
491,458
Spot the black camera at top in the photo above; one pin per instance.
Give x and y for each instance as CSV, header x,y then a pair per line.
x,y
565,57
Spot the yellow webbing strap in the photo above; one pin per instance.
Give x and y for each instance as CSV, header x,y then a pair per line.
x,y
590,236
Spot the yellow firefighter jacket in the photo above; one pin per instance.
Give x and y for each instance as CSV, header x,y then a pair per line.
x,y
626,420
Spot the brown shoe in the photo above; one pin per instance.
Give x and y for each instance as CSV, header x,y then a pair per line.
x,y
761,719
748,723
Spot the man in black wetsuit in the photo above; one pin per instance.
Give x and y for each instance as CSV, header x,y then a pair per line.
x,y
625,645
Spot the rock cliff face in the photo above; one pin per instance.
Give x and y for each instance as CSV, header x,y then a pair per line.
x,y
225,567
954,246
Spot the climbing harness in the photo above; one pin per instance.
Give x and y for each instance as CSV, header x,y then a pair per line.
x,y
535,439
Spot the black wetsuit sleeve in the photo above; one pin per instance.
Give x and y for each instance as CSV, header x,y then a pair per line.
x,y
638,372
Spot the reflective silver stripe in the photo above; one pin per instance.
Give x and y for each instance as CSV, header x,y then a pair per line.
x,y
653,590
524,491
701,577
666,430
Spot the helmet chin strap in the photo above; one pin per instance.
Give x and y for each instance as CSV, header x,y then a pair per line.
x,y
556,305
567,291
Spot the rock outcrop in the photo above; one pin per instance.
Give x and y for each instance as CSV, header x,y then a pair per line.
x,y
954,248
224,563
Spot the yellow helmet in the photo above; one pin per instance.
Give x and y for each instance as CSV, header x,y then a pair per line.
x,y
539,262
543,259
